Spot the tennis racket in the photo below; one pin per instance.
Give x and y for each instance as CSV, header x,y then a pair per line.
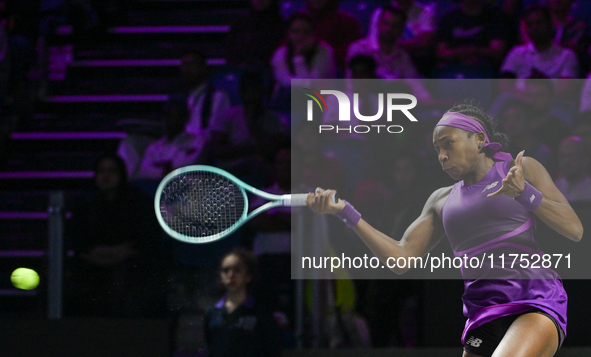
x,y
202,204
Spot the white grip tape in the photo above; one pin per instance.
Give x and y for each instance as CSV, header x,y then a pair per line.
x,y
295,200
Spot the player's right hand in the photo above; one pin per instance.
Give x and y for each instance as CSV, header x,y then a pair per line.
x,y
320,201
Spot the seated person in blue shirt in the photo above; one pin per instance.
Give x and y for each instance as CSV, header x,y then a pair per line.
x,y
237,325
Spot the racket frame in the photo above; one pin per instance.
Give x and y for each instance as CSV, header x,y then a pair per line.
x,y
275,201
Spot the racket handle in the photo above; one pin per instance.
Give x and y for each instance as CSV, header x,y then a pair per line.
x,y
295,200
299,199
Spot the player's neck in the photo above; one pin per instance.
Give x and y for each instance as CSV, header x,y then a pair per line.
x,y
480,170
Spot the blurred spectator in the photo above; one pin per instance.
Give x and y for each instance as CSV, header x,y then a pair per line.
x,y
203,100
245,138
539,94
540,53
118,268
574,181
474,34
303,55
254,37
334,26
176,148
516,120
238,324
392,61
417,38
570,32
132,148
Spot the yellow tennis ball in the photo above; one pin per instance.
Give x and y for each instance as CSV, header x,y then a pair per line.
x,y
26,279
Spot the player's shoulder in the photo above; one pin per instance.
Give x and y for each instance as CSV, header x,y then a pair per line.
x,y
438,197
532,168
441,192
527,162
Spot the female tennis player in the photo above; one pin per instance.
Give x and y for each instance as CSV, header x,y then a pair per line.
x,y
490,209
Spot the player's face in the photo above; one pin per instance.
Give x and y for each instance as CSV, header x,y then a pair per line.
x,y
457,153
234,274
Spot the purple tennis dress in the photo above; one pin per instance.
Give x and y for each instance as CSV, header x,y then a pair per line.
x,y
475,226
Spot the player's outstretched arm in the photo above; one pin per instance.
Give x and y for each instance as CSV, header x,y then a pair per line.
x,y
418,239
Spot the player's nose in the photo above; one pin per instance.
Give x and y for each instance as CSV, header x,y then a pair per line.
x,y
442,156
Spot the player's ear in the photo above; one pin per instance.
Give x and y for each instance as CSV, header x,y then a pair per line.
x,y
481,138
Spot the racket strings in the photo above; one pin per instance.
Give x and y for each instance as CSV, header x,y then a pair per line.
x,y
201,204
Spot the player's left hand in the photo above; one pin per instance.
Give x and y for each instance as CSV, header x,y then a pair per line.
x,y
514,183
